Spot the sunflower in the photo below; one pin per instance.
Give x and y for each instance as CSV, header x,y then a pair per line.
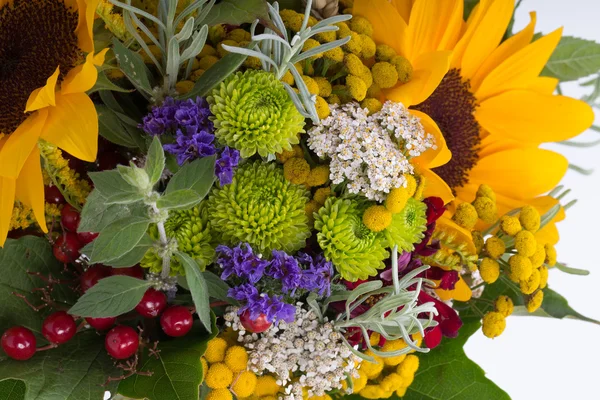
x,y
44,74
491,105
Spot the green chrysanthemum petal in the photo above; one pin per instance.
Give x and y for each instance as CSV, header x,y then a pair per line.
x,y
260,207
355,251
408,226
254,114
192,231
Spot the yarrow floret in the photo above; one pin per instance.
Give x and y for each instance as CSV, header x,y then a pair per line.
x,y
307,349
372,152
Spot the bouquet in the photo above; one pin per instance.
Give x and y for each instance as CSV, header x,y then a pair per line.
x,y
257,200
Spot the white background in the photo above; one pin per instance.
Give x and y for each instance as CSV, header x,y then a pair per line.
x,y
538,358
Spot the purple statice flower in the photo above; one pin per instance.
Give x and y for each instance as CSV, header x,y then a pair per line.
x,y
255,303
228,160
316,275
193,115
285,268
241,261
161,119
191,146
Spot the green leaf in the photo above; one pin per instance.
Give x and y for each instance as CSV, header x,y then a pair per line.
x,y
155,162
18,258
136,177
134,256
199,175
133,66
177,372
12,389
556,306
447,373
111,128
198,288
217,288
119,238
573,58
111,297
103,83
73,371
235,12
572,271
216,74
124,198
96,215
178,200
109,183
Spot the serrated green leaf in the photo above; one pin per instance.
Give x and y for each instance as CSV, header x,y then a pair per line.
x,y
73,371
133,66
119,238
217,288
177,372
573,58
447,373
155,162
134,256
198,288
103,83
96,215
12,389
235,12
215,75
179,200
111,182
111,297
199,175
124,198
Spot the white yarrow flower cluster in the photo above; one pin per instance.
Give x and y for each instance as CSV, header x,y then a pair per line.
x,y
371,153
307,349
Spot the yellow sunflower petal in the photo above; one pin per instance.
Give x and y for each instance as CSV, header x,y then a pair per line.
x,y
388,26
73,126
509,47
487,36
548,234
544,85
44,96
461,292
81,78
435,186
472,24
432,158
429,70
30,187
20,143
431,23
7,202
100,56
520,69
85,26
403,7
495,143
452,26
520,173
545,203
444,223
531,117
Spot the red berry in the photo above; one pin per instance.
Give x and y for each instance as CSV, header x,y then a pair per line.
x,y
257,325
152,304
66,248
53,195
59,327
121,342
69,217
92,275
136,271
101,324
87,237
176,321
19,343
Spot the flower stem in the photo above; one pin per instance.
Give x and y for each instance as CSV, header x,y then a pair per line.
x,y
164,241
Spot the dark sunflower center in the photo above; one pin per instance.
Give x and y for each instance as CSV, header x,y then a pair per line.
x,y
36,36
451,106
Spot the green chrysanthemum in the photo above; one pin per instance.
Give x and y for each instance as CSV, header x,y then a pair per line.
x,y
408,226
254,113
354,250
260,207
191,229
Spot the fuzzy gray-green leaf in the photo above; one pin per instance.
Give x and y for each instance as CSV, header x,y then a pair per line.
x,y
198,287
119,238
573,58
155,162
199,176
179,200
